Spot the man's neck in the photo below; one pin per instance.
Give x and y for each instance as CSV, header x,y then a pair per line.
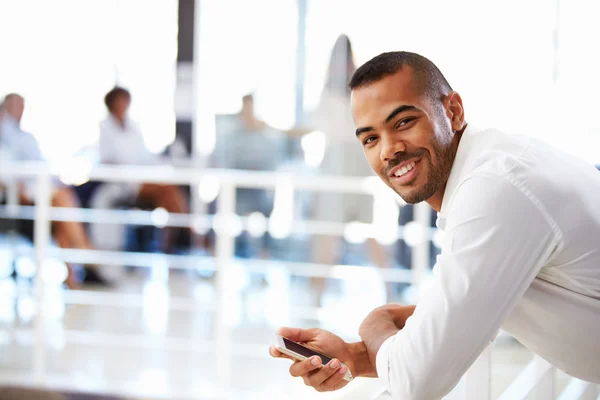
x,y
437,199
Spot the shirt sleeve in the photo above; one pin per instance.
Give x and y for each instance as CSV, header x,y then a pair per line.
x,y
498,236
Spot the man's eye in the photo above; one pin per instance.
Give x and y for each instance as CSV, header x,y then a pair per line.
x,y
403,122
368,140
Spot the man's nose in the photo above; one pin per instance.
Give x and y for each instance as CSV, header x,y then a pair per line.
x,y
390,147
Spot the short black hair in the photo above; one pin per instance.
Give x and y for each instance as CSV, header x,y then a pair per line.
x,y
429,79
112,95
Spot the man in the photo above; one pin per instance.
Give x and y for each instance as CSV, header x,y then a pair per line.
x,y
24,147
521,251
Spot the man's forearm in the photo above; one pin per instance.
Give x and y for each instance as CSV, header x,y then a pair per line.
x,y
396,313
378,335
381,324
362,364
400,314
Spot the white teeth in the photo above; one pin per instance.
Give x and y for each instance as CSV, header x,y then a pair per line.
x,y
404,169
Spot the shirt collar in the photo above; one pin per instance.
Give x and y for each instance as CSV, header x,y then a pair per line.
x,y
9,126
458,168
117,124
9,120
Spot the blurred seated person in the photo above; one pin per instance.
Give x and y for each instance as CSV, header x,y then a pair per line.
x,y
22,146
244,142
122,143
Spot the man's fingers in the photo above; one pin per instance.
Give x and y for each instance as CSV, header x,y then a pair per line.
x,y
274,352
297,334
301,368
277,354
335,381
317,378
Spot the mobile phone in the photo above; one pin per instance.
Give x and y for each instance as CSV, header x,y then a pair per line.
x,y
301,353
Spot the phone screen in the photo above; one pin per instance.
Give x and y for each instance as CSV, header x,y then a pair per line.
x,y
305,351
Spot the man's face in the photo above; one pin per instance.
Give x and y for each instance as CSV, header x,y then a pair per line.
x,y
406,136
15,106
121,105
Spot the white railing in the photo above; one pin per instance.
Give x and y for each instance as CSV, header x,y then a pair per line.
x,y
537,379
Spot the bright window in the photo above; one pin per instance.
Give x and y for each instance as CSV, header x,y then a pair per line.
x,y
250,46
64,55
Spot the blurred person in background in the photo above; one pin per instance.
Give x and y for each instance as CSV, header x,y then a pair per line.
x,y
23,146
245,142
122,143
4,154
343,158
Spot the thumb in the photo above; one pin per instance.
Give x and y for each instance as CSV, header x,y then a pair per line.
x,y
297,334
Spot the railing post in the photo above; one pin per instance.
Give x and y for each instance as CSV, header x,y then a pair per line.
x,y
224,251
420,253
478,379
577,389
41,240
546,389
535,381
12,192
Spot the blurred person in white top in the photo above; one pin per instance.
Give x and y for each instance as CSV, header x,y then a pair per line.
x,y
122,143
521,248
22,146
4,153
342,158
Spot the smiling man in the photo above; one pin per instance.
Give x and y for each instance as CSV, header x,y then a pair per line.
x,y
521,250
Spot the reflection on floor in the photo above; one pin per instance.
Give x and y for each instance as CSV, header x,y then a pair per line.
x,y
156,339
22,393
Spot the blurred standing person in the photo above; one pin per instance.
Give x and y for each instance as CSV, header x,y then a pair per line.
x,y
24,147
245,142
122,143
343,158
4,153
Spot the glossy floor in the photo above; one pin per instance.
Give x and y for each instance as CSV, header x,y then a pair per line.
x,y
149,338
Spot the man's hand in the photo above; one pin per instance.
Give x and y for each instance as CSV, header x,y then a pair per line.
x,y
331,376
380,324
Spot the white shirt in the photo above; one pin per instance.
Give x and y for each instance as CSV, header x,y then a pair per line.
x,y
123,145
521,252
18,145
22,145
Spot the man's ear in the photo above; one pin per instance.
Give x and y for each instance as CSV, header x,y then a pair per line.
x,y
454,110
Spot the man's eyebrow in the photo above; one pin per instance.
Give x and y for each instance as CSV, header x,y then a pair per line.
x,y
359,131
399,110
